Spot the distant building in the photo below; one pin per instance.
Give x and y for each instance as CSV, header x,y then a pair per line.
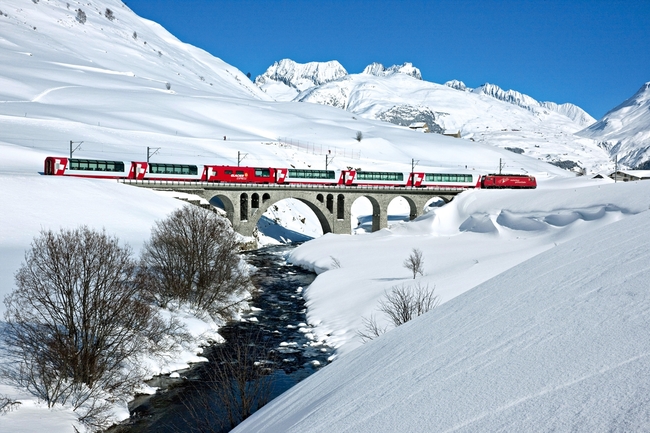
x,y
419,126
452,134
628,175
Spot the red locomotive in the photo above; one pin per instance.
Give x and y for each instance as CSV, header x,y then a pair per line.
x,y
508,181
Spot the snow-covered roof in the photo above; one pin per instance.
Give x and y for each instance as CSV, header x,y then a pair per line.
x,y
641,174
418,125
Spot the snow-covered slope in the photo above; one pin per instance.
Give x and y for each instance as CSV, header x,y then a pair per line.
x,y
558,343
284,80
625,130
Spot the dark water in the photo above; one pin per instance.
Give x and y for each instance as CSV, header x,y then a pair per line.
x,y
277,322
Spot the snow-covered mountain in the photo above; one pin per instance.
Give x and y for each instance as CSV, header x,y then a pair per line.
x,y
625,130
397,94
285,79
569,110
380,70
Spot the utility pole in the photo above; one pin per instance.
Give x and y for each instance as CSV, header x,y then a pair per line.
x,y
240,158
327,161
149,155
76,148
501,165
413,164
615,168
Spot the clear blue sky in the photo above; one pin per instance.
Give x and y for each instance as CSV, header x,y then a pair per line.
x,y
594,54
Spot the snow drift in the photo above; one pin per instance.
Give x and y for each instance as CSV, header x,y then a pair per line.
x,y
557,343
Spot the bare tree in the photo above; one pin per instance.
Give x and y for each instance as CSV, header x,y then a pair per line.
x,y
415,263
358,136
77,322
192,257
109,14
400,305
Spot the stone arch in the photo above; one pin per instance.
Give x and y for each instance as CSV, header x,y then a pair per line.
x,y
442,199
227,204
323,220
378,217
379,220
255,201
414,212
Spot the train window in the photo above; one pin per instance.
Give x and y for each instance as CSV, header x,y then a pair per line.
x,y
376,175
228,171
173,169
95,165
438,177
262,172
239,173
311,174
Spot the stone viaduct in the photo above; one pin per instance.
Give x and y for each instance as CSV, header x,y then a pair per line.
x,y
245,203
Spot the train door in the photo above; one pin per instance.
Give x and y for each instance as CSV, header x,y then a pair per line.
x,y
281,175
138,170
415,179
348,177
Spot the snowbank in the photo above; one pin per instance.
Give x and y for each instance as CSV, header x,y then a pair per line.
x,y
557,343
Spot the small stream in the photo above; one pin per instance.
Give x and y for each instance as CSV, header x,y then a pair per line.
x,y
278,318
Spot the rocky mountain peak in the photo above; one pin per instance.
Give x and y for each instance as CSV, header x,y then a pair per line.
x,y
380,70
302,76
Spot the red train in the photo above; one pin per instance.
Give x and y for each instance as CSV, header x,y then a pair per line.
x,y
508,181
103,169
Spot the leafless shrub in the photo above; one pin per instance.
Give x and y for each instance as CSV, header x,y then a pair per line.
x,y
109,14
240,380
405,303
358,136
77,322
135,35
168,86
81,16
7,404
400,305
371,329
335,263
192,257
415,263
